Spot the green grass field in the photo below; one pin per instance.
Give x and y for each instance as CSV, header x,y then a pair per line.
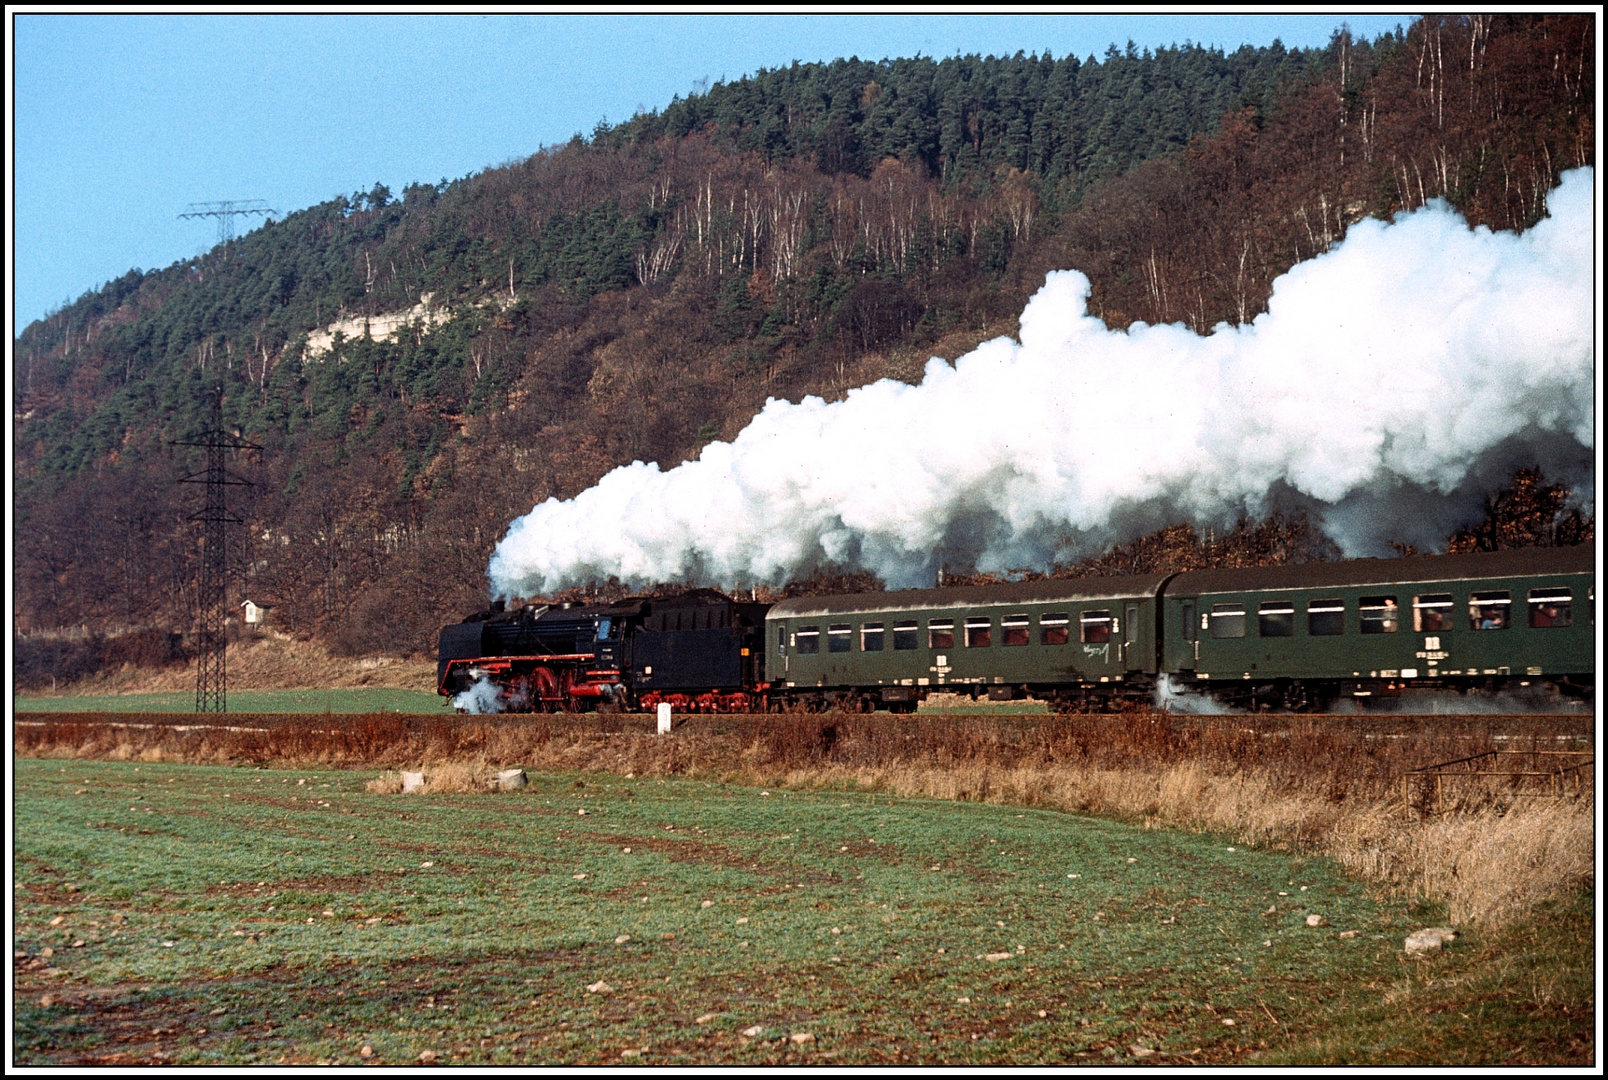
x,y
200,915
366,699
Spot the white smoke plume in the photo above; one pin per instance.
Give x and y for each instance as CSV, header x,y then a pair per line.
x,y
1387,386
481,699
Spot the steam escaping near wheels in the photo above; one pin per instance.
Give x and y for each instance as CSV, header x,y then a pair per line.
x,y
1174,696
1389,381
483,698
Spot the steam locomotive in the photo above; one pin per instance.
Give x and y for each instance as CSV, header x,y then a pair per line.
x,y
1285,637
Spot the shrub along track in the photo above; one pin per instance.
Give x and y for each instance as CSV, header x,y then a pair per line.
x,y
1345,750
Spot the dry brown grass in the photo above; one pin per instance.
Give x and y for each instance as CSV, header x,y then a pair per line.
x,y
1325,787
447,778
271,661
387,783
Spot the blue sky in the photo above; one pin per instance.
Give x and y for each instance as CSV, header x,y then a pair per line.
x,y
121,121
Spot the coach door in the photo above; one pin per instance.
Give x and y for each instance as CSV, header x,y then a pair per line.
x,y
1100,643
1130,639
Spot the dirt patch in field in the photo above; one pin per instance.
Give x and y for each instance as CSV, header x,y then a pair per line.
x,y
703,853
327,883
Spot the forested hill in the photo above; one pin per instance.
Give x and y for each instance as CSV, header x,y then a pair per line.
x,y
421,370
1067,122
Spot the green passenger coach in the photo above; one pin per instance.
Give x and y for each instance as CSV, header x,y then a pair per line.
x,y
1062,640
1294,636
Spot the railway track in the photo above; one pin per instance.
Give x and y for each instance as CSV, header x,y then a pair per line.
x,y
1572,724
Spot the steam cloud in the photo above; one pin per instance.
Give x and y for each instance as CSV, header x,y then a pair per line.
x,y
483,698
1387,386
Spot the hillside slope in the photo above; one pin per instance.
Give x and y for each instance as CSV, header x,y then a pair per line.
x,y
634,296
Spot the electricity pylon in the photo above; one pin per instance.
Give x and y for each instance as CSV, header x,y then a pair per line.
x,y
212,586
226,211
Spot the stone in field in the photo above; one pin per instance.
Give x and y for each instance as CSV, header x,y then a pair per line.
x,y
1350,933
754,1032
1429,941
1317,920
428,1057
510,780
801,1037
600,987
366,1052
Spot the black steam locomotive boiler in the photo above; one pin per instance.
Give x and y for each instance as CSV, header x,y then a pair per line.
x,y
699,650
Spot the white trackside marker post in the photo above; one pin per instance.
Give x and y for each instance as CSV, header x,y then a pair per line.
x,y
664,718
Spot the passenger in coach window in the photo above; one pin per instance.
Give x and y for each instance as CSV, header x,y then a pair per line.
x,y
1388,618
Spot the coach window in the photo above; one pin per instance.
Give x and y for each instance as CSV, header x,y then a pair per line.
x,y
1432,613
781,641
1188,610
1053,629
1228,620
1325,618
1013,630
871,637
838,637
979,633
1379,615
1094,627
1550,607
940,633
1276,619
906,635
1489,610
808,639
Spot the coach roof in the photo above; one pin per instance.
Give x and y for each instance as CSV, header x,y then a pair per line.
x,y
1043,591
1410,570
